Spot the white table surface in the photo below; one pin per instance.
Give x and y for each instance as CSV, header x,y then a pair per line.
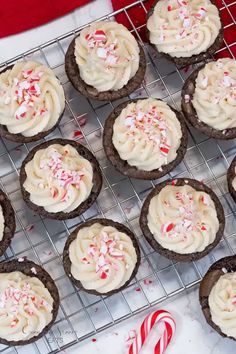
x,y
193,335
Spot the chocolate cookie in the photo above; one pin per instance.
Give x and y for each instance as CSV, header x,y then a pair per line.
x,y
20,138
73,74
9,222
104,222
96,181
218,269
132,171
191,114
178,257
231,175
185,61
31,269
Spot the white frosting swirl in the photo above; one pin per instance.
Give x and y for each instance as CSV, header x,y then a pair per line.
x,y
25,306
182,219
102,258
2,224
107,55
222,303
31,99
214,98
58,178
184,28
147,134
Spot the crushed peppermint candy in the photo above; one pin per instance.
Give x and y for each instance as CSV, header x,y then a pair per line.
x,y
185,221
26,93
205,199
165,148
182,34
167,227
201,13
18,297
174,182
153,125
65,178
187,22
190,18
98,41
234,300
101,251
228,81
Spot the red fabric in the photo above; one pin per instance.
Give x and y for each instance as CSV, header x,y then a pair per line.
x,y
20,15
136,16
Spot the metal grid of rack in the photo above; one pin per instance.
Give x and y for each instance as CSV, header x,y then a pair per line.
x,y
42,240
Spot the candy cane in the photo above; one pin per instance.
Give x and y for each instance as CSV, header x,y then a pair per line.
x,y
148,323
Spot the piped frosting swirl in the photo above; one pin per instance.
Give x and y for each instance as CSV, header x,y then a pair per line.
x,y
31,99
102,258
222,303
147,134
183,219
58,178
214,97
183,28
107,55
25,306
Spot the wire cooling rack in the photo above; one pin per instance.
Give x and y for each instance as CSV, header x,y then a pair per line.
x,y
42,240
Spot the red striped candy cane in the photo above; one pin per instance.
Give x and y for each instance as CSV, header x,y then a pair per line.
x,y
148,323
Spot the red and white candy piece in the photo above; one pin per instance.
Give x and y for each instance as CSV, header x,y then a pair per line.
x,y
167,227
164,148
98,36
204,199
149,322
182,3
234,300
201,13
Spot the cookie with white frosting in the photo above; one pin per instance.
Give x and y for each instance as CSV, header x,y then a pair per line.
x,y
231,178
217,295
145,138
209,99
29,302
32,101
7,222
182,219
60,179
185,32
105,62
101,256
